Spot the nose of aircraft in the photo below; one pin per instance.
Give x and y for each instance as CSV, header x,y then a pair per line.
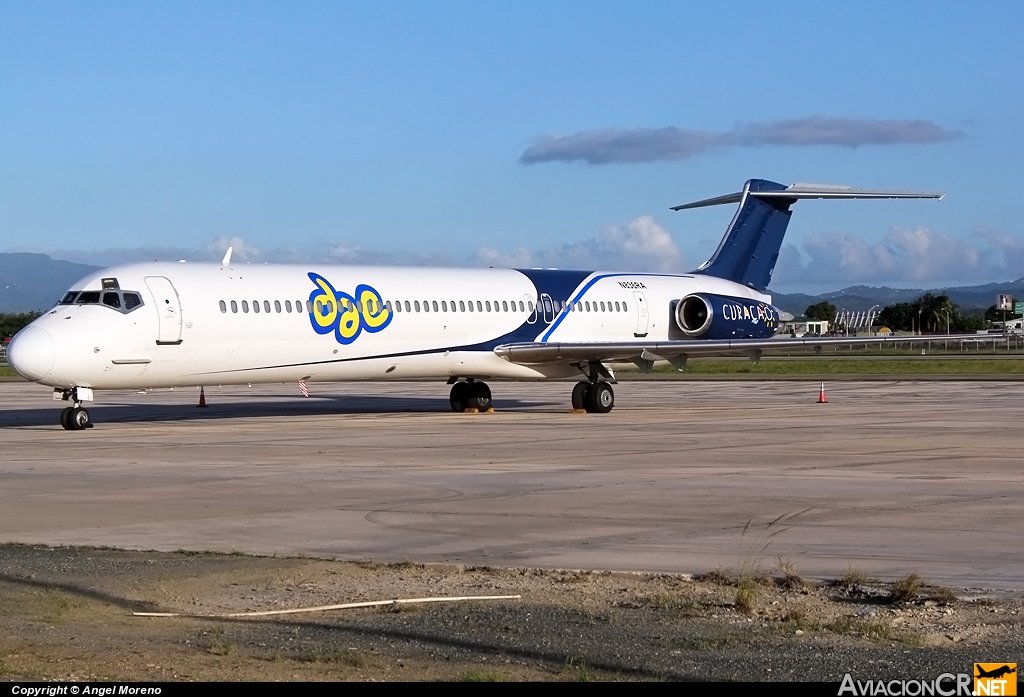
x,y
31,353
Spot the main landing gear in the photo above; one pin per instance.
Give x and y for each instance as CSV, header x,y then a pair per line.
x,y
594,397
470,395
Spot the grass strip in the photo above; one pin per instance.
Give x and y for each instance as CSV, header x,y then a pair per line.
x,y
861,366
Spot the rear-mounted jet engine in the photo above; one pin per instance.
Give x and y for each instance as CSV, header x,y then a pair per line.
x,y
709,316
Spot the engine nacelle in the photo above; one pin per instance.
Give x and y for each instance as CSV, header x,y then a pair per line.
x,y
709,316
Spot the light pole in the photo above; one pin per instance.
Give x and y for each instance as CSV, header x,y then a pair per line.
x,y
944,341
871,318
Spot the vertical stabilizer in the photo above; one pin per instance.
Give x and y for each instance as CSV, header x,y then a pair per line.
x,y
750,248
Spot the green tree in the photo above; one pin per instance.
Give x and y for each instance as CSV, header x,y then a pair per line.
x,y
12,322
898,316
928,314
970,323
821,311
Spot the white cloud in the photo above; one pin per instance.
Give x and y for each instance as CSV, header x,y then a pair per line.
x,y
903,255
240,251
519,258
641,244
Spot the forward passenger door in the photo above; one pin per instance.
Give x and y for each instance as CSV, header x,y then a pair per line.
x,y
168,308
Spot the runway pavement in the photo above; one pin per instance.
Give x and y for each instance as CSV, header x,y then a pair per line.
x,y
888,477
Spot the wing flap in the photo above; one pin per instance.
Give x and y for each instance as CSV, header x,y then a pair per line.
x,y
672,351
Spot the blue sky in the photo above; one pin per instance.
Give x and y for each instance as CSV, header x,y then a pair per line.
x,y
486,133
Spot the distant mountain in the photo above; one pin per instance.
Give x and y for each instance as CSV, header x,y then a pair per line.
x,y
35,281
862,298
794,303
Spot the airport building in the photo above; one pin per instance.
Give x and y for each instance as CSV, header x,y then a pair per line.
x,y
800,328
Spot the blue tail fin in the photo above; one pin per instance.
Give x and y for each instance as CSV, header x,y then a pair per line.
x,y
750,248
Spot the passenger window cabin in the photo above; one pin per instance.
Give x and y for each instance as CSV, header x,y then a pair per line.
x,y
130,300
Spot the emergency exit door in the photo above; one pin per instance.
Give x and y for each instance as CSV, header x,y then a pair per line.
x,y
643,316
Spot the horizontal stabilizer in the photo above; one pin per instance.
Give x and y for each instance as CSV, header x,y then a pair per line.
x,y
799,191
717,201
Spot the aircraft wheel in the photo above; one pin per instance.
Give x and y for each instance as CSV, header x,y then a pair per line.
x,y
579,395
64,421
479,396
79,419
601,399
459,396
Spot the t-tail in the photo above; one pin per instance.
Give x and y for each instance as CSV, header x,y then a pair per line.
x,y
750,248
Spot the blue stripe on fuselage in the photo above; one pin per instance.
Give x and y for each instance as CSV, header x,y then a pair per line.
x,y
584,289
555,283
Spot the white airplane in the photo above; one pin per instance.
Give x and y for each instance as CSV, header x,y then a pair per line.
x,y
177,324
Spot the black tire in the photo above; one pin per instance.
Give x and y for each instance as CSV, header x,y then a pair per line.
x,y
79,419
458,396
64,421
580,392
601,398
478,396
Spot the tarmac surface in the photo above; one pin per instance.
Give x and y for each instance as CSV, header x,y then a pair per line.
x,y
888,477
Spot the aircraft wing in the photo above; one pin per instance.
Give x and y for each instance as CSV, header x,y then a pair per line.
x,y
645,353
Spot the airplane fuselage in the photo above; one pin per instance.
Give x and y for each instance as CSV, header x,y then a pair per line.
x,y
206,324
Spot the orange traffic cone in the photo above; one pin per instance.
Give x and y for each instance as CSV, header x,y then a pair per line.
x,y
821,395
202,398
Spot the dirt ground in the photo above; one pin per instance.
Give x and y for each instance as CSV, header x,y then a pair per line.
x,y
66,614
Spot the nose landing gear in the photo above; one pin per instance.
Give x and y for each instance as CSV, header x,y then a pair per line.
x,y
74,418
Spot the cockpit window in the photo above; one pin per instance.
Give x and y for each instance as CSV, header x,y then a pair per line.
x,y
89,297
122,301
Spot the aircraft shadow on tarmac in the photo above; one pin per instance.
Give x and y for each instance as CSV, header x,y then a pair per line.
x,y
82,592
497,646
256,408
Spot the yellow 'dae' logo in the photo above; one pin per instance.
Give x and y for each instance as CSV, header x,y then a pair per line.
x,y
346,315
995,679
